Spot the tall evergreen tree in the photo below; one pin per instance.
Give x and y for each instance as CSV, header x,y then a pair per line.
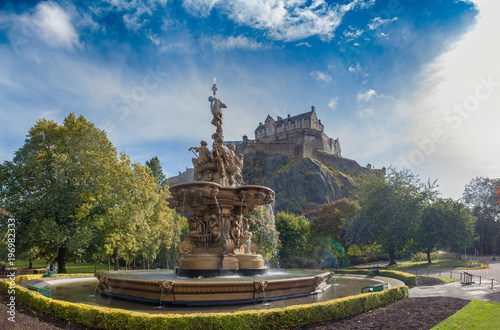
x,y
157,172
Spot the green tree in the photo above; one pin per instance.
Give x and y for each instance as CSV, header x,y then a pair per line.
x,y
445,224
479,195
53,185
393,203
138,219
334,221
168,255
157,171
294,236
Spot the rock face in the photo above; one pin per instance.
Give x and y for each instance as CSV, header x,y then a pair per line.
x,y
300,184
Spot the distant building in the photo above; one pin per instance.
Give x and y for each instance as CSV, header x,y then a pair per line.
x,y
305,128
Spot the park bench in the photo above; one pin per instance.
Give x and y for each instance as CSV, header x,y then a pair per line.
x,y
50,273
372,272
467,279
43,291
375,288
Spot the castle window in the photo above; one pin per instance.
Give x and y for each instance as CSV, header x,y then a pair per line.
x,y
289,124
269,130
283,125
296,122
302,120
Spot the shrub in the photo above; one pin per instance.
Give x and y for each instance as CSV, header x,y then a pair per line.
x,y
434,256
406,278
369,258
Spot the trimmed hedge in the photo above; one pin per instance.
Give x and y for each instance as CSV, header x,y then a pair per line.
x,y
280,318
24,278
406,278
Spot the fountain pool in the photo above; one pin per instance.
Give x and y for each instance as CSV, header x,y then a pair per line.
x,y
84,292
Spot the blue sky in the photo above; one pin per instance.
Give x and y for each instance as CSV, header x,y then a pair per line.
x,y
405,83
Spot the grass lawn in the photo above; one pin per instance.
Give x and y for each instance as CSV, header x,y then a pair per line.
x,y
476,315
71,267
444,279
438,264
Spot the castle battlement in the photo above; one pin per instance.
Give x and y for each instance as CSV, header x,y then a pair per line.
x,y
304,128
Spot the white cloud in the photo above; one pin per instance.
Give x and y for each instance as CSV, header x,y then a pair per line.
x,y
49,23
318,75
333,103
303,44
239,42
199,8
135,13
291,20
352,33
378,21
364,113
356,68
366,96
133,21
54,25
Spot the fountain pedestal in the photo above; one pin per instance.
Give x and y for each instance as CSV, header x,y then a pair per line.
x,y
219,240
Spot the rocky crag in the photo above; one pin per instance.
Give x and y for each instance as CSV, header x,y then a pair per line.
x,y
303,184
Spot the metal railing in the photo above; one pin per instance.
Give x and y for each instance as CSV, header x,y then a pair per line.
x,y
464,277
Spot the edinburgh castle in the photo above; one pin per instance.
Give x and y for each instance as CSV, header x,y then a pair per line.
x,y
299,136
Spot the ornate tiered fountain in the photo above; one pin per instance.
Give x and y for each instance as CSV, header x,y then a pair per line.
x,y
219,241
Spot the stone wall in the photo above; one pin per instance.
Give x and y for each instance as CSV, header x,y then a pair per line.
x,y
182,177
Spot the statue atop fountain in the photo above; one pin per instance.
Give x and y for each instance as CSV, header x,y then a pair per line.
x,y
219,240
221,165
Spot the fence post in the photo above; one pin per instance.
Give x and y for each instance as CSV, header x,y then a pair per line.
x,y
479,280
451,275
492,283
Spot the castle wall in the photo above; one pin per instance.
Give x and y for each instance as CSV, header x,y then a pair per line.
x,y
271,148
182,177
316,138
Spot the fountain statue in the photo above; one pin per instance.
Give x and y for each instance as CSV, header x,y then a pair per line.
x,y
219,241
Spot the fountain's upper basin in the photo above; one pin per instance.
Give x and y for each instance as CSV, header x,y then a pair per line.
x,y
219,291
210,193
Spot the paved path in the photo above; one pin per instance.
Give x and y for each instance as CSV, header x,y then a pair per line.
x,y
477,291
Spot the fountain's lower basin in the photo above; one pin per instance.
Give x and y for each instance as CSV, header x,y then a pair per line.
x,y
209,292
